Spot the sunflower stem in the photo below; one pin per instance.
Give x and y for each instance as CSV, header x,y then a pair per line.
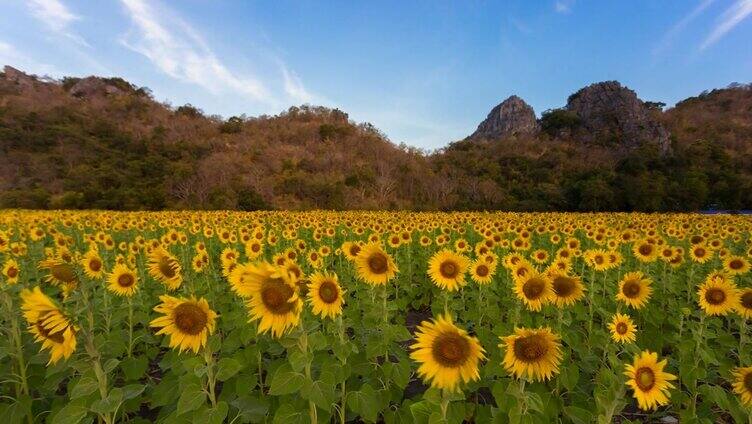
x,y
130,327
211,378
444,405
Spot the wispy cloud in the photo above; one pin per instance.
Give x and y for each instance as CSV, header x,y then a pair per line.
x,y
679,26
10,55
57,18
732,17
180,51
563,6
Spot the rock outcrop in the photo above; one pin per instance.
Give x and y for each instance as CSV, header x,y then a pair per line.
x,y
610,112
92,86
509,118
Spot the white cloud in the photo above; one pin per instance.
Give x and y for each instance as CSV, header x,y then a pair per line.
x,y
180,51
732,17
10,55
563,6
56,17
679,26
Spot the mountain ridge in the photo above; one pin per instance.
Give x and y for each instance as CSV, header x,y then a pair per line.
x,y
105,143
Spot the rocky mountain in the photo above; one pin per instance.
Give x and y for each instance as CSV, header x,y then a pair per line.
x,y
610,112
512,117
105,143
602,113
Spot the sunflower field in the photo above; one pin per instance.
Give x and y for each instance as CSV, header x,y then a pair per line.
x,y
393,317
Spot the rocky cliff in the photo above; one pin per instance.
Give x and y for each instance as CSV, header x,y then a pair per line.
x,y
509,118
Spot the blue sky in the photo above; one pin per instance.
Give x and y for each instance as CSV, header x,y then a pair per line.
x,y
425,72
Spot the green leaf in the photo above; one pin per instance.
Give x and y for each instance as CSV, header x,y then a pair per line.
x,y
251,408
569,377
421,411
110,365
287,414
110,403
134,368
215,415
191,399
363,402
286,381
132,391
227,367
85,386
16,411
578,415
71,413
319,392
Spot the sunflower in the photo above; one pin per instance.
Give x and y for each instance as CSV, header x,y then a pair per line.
x,y
532,353
744,307
648,380
11,271
164,268
273,297
447,269
634,289
325,295
446,353
622,329
567,288
92,264
122,281
743,384
700,253
736,265
644,251
374,265
60,272
482,272
718,296
48,324
188,322
534,289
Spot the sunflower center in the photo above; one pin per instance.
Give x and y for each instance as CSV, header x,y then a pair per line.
x,y
166,267
63,272
746,300
699,252
530,348
449,269
736,264
748,381
95,264
563,286
631,289
190,318
275,295
126,280
55,337
328,292
450,349
482,271
715,296
621,328
12,272
534,288
378,264
599,260
645,378
354,250
645,249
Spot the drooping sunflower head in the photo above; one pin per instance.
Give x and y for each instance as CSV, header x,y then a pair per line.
x,y
123,281
189,322
622,329
743,384
59,271
447,269
718,296
273,298
48,324
534,289
567,288
325,295
447,355
534,353
165,268
374,265
634,289
648,381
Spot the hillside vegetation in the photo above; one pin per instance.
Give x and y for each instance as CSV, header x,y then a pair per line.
x,y
107,144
